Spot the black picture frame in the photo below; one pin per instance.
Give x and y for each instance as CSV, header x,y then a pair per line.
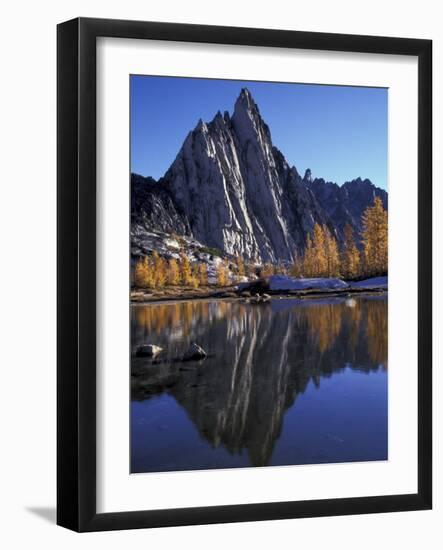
x,y
76,282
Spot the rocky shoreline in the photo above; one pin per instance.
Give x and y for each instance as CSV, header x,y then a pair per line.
x,y
232,293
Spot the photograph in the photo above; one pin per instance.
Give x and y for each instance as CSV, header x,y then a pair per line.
x,y
259,274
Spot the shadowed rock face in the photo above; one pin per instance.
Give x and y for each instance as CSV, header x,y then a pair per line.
x,y
345,204
260,358
231,189
153,206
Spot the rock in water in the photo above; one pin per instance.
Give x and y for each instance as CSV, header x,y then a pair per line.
x,y
194,353
149,350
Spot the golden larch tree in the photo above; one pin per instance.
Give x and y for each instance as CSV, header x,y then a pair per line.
x,y
139,275
320,267
309,258
173,272
267,270
240,266
186,273
350,256
195,280
375,238
143,274
203,274
296,268
222,274
332,254
159,270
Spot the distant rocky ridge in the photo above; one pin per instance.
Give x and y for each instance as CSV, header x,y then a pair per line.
x,y
345,204
230,189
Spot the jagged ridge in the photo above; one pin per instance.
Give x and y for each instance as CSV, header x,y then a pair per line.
x,y
231,188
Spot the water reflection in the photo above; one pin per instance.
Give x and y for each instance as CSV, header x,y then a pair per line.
x,y
260,360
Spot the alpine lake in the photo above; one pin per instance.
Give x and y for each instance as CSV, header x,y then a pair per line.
x,y
288,382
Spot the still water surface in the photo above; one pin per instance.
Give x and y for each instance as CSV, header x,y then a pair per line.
x,y
290,382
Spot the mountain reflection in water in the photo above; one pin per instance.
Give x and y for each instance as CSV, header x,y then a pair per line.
x,y
283,383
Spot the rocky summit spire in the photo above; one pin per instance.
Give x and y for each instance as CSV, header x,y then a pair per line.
x,y
237,190
247,121
246,102
234,190
308,175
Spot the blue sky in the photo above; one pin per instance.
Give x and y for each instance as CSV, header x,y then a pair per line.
x,y
339,132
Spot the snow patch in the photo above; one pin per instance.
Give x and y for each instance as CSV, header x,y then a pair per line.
x,y
172,243
379,282
282,282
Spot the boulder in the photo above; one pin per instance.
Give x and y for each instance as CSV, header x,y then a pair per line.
x,y
260,299
255,299
229,294
148,350
194,353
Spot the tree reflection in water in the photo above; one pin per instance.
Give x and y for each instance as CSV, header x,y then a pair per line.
x,y
260,358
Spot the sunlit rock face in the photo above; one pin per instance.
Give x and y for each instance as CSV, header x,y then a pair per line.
x,y
231,189
237,190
